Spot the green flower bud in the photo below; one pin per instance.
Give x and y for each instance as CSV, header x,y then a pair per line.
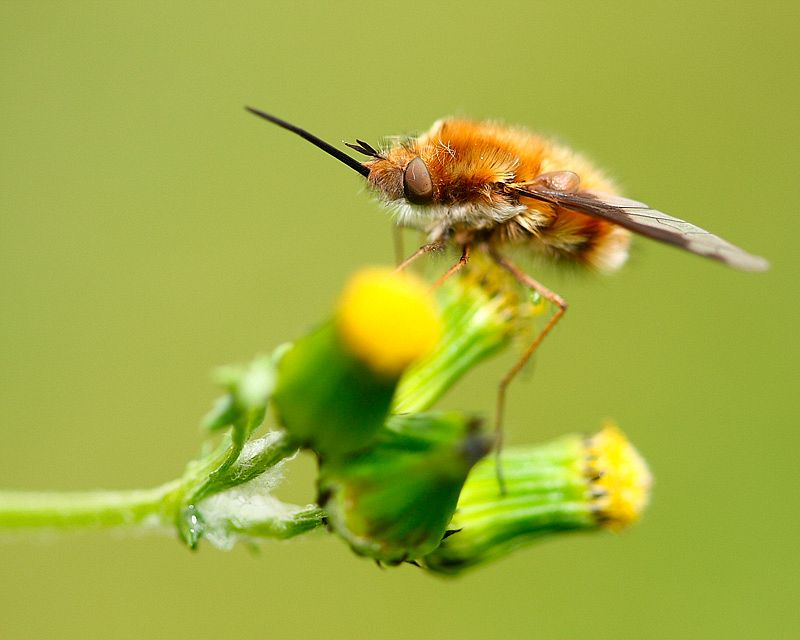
x,y
393,501
335,386
574,483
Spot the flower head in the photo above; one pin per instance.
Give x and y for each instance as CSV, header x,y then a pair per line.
x,y
335,385
387,320
574,483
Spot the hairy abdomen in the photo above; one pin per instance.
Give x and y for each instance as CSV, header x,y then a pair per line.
x,y
567,236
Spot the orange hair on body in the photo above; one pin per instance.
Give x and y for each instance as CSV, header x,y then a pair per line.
x,y
470,164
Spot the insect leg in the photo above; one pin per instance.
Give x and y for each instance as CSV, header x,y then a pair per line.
x,y
456,267
397,238
425,248
525,280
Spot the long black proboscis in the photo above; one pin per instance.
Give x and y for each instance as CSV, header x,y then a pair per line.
x,y
327,148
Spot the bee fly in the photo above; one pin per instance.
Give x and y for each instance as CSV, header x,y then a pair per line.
x,y
484,186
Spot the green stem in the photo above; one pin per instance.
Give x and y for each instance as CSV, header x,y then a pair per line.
x,y
167,504
282,527
235,463
24,509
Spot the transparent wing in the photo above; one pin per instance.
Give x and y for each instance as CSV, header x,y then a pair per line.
x,y
640,218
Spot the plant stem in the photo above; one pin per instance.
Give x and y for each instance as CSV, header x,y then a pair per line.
x,y
278,527
24,509
164,506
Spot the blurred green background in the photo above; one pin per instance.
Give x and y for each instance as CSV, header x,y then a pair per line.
x,y
150,230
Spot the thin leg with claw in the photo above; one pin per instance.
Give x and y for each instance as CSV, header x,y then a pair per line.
x,y
525,280
425,248
455,268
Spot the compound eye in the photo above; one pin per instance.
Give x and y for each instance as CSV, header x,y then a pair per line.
x,y
417,182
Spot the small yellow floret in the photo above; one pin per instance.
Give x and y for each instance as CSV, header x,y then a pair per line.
x,y
621,476
388,320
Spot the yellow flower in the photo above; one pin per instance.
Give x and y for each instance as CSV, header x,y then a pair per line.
x,y
619,476
575,483
387,320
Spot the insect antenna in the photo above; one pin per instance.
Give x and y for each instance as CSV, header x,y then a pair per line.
x,y
364,147
318,142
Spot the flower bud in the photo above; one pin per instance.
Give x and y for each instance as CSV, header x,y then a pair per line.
x,y
574,483
392,502
335,385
